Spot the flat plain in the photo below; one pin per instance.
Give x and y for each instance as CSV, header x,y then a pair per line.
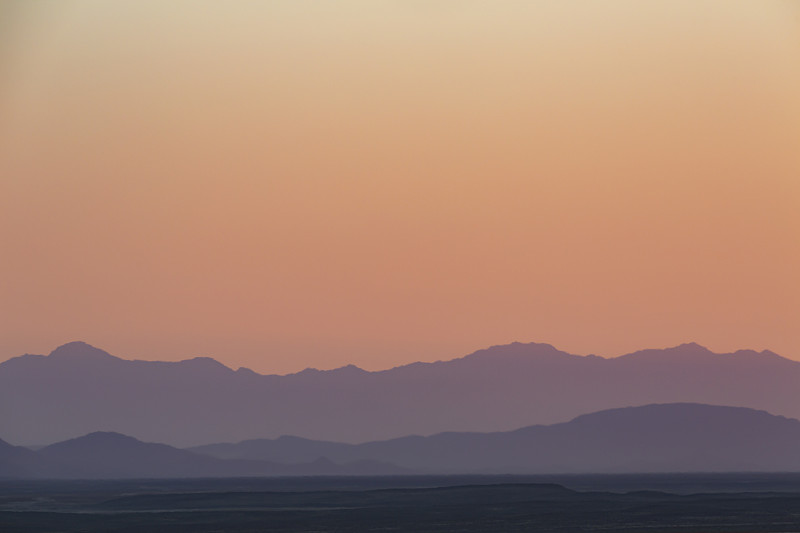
x,y
626,503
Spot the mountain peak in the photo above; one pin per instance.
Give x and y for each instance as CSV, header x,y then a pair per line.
x,y
690,346
688,350
80,350
108,436
521,350
349,369
97,439
204,362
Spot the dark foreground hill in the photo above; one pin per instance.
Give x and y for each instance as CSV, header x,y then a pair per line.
x,y
79,389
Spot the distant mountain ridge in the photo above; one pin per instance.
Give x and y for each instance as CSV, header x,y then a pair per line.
x,y
681,437
79,389
108,455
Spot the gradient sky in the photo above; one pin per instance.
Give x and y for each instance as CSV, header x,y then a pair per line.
x,y
290,184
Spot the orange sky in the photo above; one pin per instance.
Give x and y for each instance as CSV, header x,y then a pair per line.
x,y
290,184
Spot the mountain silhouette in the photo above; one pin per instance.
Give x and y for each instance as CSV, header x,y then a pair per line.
x,y
681,437
105,454
109,455
654,438
79,389
17,461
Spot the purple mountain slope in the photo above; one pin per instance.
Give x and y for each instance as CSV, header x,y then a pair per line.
x,y
79,389
108,455
680,437
16,462
112,455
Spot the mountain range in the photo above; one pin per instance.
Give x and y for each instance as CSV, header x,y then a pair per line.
x,y
681,437
78,389
655,438
108,455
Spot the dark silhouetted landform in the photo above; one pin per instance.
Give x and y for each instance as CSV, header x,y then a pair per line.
x,y
79,389
19,462
679,437
378,505
107,455
653,438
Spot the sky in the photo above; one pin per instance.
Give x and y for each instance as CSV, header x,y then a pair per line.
x,y
294,184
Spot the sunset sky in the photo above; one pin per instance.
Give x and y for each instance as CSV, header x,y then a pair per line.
x,y
294,184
